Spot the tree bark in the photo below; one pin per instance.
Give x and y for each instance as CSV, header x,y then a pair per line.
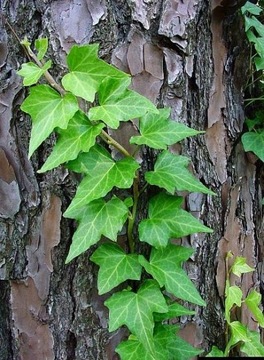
x,y
191,55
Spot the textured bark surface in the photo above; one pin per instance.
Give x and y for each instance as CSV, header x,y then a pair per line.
x,y
187,54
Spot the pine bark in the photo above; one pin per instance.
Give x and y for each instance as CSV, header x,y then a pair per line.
x,y
191,55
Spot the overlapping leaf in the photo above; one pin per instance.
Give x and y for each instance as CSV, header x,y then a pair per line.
x,y
165,265
32,72
117,104
102,174
135,310
174,310
80,135
171,173
167,220
253,301
96,219
115,266
157,131
48,110
253,347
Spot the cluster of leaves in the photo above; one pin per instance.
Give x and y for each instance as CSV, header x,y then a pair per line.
x,y
83,147
240,335
253,140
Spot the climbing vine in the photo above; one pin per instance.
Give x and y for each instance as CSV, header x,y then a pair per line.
x,y
84,145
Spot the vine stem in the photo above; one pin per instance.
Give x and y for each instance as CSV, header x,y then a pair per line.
x,y
132,219
105,136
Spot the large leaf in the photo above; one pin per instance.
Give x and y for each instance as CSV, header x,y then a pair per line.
x,y
102,174
96,219
157,131
118,105
80,135
167,220
253,301
135,310
115,266
165,266
48,110
171,173
32,72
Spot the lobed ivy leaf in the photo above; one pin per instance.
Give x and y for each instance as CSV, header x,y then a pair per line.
x,y
41,46
174,310
238,333
135,310
157,131
32,72
165,266
254,141
96,219
253,301
233,296
80,135
253,347
253,22
240,266
102,173
117,104
171,173
167,220
80,84
48,110
115,266
251,8
133,349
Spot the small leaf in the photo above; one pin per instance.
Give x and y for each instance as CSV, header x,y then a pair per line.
x,y
233,296
157,131
168,221
165,265
115,266
254,141
32,72
96,219
251,8
253,301
48,110
174,310
253,347
215,352
41,46
80,135
135,310
240,266
171,173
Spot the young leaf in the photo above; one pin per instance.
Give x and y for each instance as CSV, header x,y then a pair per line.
x,y
41,46
157,131
254,141
32,72
113,108
96,219
174,310
167,221
115,266
215,352
240,266
135,310
253,301
80,135
253,347
165,265
171,173
48,110
233,296
102,174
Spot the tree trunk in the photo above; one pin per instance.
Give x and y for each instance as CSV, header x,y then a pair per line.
x,y
187,54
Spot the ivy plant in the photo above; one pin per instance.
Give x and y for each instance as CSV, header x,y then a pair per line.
x,y
102,209
238,334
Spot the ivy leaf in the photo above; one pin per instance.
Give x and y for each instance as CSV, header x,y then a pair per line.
x,y
253,301
171,173
215,352
238,332
102,174
115,266
48,110
80,135
174,310
157,131
133,349
240,266
135,310
251,8
41,46
96,219
233,296
253,347
165,266
168,221
254,141
80,84
117,105
32,72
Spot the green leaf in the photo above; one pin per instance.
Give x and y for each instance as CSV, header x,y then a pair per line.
x,y
174,310
32,72
251,8
253,347
48,110
254,141
96,219
157,131
238,332
240,266
215,352
168,221
115,266
165,266
132,349
179,349
233,296
259,63
254,23
102,174
135,310
171,173
80,84
253,301
117,105
80,135
41,46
